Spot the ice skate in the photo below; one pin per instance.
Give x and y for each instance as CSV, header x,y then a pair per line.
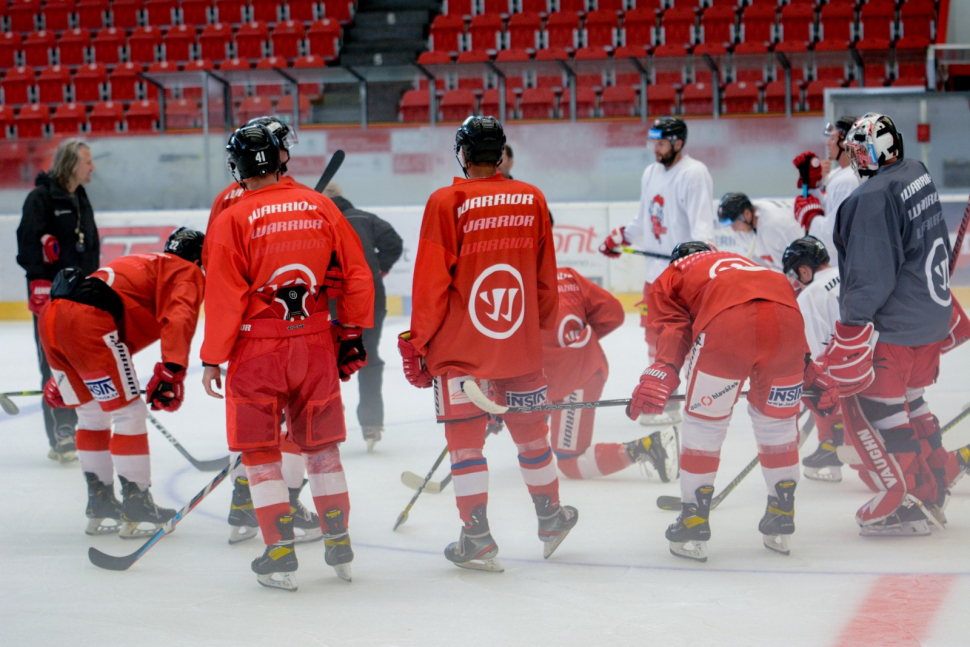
x,y
669,418
307,522
823,464
908,520
688,536
372,436
778,524
64,449
276,567
138,507
337,541
555,522
963,460
656,450
475,548
242,515
102,505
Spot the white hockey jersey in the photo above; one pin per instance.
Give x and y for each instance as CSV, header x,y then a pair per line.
x,y
676,205
842,182
819,303
777,228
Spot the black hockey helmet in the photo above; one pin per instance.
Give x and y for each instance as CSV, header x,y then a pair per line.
x,y
732,207
669,128
284,134
253,151
481,139
186,243
807,250
688,248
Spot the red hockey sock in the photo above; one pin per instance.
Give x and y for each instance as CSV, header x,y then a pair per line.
x,y
538,472
93,454
328,485
602,459
271,499
130,457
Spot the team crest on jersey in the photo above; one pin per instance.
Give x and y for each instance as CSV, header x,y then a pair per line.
x,y
938,273
785,397
102,388
733,263
497,302
525,398
573,333
657,217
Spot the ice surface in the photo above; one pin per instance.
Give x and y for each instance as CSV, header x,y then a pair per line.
x,y
612,582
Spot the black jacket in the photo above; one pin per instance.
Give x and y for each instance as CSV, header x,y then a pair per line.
x,y
382,246
49,209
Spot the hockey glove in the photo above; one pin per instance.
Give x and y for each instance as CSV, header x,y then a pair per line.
x,y
849,355
40,294
617,238
809,170
414,369
959,328
820,393
351,354
52,249
333,281
166,389
807,210
651,395
52,395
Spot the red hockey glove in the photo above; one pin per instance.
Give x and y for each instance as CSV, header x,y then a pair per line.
x,y
820,393
807,210
52,395
414,369
52,249
809,170
959,328
40,294
333,281
651,395
166,389
848,357
351,354
617,238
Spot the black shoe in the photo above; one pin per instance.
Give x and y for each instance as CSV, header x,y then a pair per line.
x,y
339,552
823,464
778,524
307,522
651,450
372,436
102,505
242,514
276,567
688,536
555,522
139,507
65,448
475,548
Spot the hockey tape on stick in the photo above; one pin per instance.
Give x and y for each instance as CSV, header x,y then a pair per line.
x,y
958,243
213,465
414,481
640,252
401,518
332,167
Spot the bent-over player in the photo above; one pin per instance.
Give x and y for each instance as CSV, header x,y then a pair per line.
x,y
772,226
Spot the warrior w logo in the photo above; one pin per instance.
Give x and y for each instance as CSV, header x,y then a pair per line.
x,y
498,296
496,304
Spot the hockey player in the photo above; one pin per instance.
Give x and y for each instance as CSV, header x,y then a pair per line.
x,y
268,259
895,308
730,320
90,331
576,370
484,287
771,223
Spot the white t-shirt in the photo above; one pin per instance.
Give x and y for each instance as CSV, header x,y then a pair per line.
x,y
777,228
819,303
842,182
676,205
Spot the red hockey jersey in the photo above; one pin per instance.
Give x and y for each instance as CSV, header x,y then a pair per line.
x,y
484,279
571,351
696,288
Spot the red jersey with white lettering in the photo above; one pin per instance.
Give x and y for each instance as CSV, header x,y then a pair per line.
x,y
696,288
162,294
484,279
279,236
571,351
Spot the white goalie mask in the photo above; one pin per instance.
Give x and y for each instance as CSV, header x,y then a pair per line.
x,y
871,141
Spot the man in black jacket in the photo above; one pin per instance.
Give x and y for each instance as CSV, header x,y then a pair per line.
x,y
382,248
57,231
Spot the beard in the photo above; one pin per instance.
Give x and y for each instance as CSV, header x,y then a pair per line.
x,y
667,160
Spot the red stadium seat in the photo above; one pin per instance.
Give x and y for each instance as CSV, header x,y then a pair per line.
x,y
661,99
415,106
195,91
6,122
252,107
702,71
142,116
106,117
876,57
124,82
160,67
485,33
32,120
92,14
39,48
911,59
108,44
797,24
629,78
490,103
287,37
267,11
557,81
775,97
68,119
252,40
144,44
538,103
214,41
815,92
588,78
718,25
310,89
585,103
473,82
72,45
10,44
601,29
577,7
917,20
269,89
340,10
160,13
741,96
669,64
616,6
194,12
434,58
697,99
178,42
750,62
639,27
515,81
231,11
758,24
90,82
125,13
57,14
302,10
677,27
18,82
285,107
455,105
446,33
237,90
693,5
458,8
832,61
618,101
52,84
652,5
323,38
524,31
182,114
835,21
877,20
541,7
562,30
23,15
496,7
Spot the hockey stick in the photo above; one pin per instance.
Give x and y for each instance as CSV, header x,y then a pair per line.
x,y
401,518
958,243
414,481
640,252
12,409
213,465
123,563
332,167
673,502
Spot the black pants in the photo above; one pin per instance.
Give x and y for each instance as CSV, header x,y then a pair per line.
x,y
53,418
370,411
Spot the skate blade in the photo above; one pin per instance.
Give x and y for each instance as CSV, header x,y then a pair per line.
x,y
343,572
831,474
905,529
133,530
309,535
62,457
695,550
780,544
97,526
370,445
489,565
549,547
239,534
285,581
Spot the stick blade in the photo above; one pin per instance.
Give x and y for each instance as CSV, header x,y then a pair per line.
x,y
480,400
8,406
332,167
215,465
668,502
110,562
414,482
